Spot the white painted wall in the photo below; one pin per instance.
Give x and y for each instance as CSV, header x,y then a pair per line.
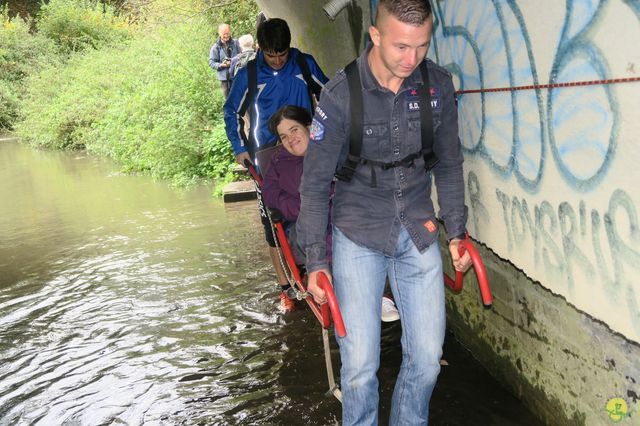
x,y
553,176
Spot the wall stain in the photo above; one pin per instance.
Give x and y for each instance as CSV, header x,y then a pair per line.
x,y
550,409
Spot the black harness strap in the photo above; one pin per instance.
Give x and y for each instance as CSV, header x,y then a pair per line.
x,y
345,173
252,88
357,116
426,120
313,87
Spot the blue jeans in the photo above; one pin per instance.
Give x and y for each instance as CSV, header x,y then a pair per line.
x,y
417,284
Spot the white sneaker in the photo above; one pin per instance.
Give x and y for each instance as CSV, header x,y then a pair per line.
x,y
389,311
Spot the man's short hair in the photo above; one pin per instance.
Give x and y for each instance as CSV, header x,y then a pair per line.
x,y
246,42
413,12
274,35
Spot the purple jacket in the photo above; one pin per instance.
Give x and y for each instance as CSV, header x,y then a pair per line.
x,y
281,183
280,187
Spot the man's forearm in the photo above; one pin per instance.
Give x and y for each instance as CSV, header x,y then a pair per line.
x,y
450,187
312,229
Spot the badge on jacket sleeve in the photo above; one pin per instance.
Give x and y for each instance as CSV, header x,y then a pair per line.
x,y
316,132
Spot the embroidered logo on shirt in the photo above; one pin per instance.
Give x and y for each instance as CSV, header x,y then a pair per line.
x,y
414,105
316,133
412,100
434,92
431,227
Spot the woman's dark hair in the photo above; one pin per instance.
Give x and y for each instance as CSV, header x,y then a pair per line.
x,y
289,112
274,35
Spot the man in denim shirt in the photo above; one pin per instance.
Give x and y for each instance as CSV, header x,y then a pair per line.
x,y
384,220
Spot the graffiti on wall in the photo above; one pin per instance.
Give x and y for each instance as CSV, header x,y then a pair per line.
x,y
590,253
503,56
546,183
550,171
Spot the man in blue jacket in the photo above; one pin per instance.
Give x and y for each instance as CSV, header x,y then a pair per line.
x,y
281,76
220,56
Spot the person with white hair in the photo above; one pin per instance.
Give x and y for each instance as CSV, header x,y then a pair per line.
x,y
247,53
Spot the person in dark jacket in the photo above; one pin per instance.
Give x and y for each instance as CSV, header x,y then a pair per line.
x,y
384,221
280,188
284,172
220,56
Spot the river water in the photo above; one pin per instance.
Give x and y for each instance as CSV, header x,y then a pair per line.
x,y
126,301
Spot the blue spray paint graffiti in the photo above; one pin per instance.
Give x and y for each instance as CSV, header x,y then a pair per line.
x,y
561,240
486,44
579,244
578,58
507,139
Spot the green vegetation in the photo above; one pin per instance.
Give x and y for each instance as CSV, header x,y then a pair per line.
x,y
21,54
142,94
75,25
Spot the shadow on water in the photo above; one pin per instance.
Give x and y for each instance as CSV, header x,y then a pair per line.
x,y
126,301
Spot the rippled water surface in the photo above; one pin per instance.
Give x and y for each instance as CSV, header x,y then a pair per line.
x,y
125,300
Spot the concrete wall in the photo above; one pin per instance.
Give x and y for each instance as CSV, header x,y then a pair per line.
x,y
551,185
332,43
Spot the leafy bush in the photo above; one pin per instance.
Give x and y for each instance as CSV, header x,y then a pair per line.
x,y
64,102
9,106
153,103
240,15
21,54
75,25
150,105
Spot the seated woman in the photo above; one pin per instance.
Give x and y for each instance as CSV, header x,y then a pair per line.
x,y
282,180
284,172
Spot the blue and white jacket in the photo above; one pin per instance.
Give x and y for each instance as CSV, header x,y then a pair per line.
x,y
285,86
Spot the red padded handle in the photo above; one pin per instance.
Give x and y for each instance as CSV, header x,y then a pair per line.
x,y
331,305
481,273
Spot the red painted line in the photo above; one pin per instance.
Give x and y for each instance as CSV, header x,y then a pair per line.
x,y
552,86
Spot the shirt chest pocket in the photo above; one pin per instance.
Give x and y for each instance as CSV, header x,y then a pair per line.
x,y
414,125
375,140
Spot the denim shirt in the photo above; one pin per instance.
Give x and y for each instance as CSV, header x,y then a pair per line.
x,y
372,216
218,54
